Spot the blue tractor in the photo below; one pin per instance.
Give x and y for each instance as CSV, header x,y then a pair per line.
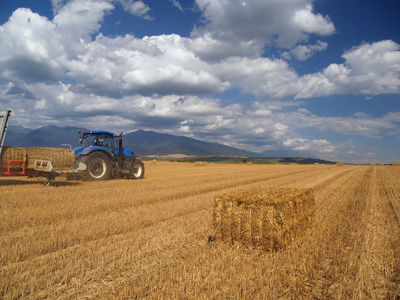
x,y
104,157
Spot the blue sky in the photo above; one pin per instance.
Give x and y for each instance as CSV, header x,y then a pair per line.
x,y
317,76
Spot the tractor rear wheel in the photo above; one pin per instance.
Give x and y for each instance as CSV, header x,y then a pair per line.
x,y
98,166
137,170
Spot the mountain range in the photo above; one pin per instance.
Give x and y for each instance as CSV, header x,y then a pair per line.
x,y
141,142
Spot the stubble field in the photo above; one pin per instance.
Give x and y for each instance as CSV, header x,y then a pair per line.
x,y
149,238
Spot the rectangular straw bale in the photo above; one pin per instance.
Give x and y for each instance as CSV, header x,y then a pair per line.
x,y
200,163
395,164
267,219
267,242
60,158
256,233
245,223
12,153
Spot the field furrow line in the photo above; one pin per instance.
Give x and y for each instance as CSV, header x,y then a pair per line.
x,y
391,188
338,231
389,195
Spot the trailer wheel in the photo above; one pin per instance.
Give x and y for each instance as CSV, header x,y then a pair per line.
x,y
98,166
137,170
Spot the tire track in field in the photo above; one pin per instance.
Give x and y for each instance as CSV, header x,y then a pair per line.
x,y
378,253
362,255
389,194
337,235
319,181
391,183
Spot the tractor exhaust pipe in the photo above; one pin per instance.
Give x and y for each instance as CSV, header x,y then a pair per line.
x,y
120,146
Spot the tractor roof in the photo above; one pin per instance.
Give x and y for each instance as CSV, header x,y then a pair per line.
x,y
98,132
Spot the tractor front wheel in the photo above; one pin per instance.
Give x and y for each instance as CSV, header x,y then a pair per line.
x,y
98,166
137,170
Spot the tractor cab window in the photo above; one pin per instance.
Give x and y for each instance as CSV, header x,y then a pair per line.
x,y
88,140
106,141
101,140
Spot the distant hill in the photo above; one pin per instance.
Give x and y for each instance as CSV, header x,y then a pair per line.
x,y
48,136
141,142
150,142
15,134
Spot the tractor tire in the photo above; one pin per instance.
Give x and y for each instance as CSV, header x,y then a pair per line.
x,y
137,170
98,166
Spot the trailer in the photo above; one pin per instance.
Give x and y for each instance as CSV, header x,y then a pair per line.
x,y
19,167
44,168
5,116
99,157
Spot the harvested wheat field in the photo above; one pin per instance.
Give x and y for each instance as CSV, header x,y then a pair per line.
x,y
152,238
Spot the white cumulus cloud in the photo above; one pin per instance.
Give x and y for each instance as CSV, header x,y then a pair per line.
x,y
304,52
302,144
136,8
258,23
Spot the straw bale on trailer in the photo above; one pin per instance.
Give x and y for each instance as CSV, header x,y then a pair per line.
x,y
340,164
60,158
12,153
395,164
266,219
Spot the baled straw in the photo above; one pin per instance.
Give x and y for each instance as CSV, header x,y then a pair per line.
x,y
12,153
267,219
60,158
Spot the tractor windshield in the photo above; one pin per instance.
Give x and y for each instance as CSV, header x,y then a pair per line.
x,y
101,140
88,140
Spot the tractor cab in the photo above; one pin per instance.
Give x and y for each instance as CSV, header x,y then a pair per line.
x,y
99,139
